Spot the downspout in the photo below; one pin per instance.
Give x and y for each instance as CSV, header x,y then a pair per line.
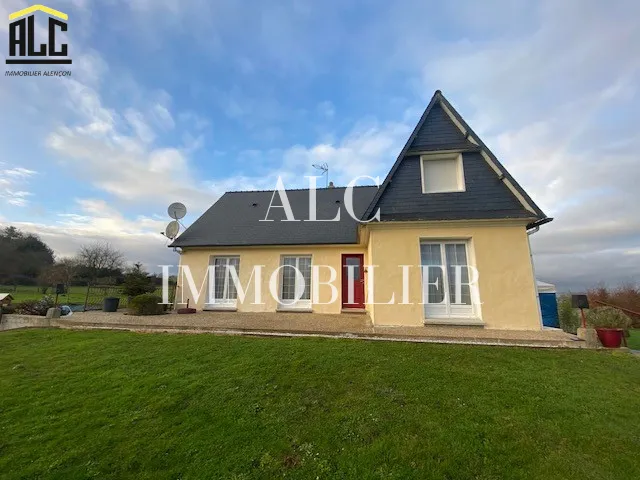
x,y
531,229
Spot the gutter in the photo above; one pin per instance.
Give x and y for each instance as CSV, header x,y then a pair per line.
x,y
533,227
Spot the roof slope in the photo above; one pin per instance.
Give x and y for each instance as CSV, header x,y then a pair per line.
x,y
234,220
491,192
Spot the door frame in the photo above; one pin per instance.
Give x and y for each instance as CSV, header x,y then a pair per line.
x,y
358,283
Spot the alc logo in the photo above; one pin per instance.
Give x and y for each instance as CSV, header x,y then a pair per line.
x,y
22,42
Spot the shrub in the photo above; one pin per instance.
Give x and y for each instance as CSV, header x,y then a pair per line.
x,y
146,304
568,316
624,296
35,307
608,317
137,282
8,309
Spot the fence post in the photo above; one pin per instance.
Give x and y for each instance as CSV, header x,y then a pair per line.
x,y
86,298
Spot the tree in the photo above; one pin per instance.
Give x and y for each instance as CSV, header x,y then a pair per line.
x,y
63,271
137,282
100,259
22,256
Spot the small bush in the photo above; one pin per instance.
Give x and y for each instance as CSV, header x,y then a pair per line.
x,y
146,304
608,317
568,316
624,296
8,309
35,307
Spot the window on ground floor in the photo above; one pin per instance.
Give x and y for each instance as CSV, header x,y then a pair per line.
x,y
224,290
295,281
445,279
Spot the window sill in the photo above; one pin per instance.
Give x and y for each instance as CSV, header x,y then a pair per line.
x,y
223,308
294,309
455,322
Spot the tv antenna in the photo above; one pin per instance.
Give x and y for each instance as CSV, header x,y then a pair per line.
x,y
324,168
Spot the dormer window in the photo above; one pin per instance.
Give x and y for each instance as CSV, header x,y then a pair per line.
x,y
442,173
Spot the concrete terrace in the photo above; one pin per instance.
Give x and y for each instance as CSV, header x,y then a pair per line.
x,y
312,324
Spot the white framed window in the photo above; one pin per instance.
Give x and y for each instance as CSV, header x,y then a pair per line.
x,y
442,173
295,282
446,292
223,290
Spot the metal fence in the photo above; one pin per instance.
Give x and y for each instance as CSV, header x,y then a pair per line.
x,y
95,295
94,298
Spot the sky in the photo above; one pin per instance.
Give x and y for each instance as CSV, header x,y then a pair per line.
x,y
182,100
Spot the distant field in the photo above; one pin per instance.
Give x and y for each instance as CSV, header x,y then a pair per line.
x,y
75,296
634,340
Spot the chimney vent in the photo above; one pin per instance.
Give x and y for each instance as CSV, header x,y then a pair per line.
x,y
331,185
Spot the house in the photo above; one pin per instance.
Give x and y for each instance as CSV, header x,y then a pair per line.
x,y
443,240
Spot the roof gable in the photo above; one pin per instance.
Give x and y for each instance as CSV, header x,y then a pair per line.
x,y
438,132
434,132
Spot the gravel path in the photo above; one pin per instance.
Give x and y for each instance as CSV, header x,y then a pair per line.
x,y
312,323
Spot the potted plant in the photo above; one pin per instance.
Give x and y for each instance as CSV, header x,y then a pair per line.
x,y
610,324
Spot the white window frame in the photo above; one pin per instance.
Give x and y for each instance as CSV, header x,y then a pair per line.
x,y
225,303
448,312
296,305
443,156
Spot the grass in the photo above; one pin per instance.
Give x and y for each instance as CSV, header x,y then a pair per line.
x,y
634,340
75,296
122,405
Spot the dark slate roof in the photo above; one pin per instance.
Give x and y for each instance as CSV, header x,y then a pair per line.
x,y
438,132
486,196
234,220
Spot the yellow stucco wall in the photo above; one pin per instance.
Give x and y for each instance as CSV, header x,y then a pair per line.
x,y
198,259
499,252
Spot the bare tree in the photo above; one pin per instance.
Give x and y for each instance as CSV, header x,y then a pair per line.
x,y
99,257
63,271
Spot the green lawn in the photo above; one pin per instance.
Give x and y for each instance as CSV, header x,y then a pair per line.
x,y
122,405
634,340
75,296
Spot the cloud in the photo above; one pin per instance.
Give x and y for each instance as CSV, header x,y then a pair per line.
x,y
368,149
550,86
558,103
96,220
11,179
115,150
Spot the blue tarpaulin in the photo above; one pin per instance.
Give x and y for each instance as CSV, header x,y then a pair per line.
x,y
548,304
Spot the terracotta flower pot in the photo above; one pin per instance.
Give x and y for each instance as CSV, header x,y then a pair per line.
x,y
610,337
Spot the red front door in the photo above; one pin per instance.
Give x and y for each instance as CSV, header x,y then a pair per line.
x,y
353,280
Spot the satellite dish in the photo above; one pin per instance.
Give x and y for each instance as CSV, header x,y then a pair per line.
x,y
177,210
172,230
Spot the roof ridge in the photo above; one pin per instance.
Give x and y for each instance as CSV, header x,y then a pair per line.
x,y
299,189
